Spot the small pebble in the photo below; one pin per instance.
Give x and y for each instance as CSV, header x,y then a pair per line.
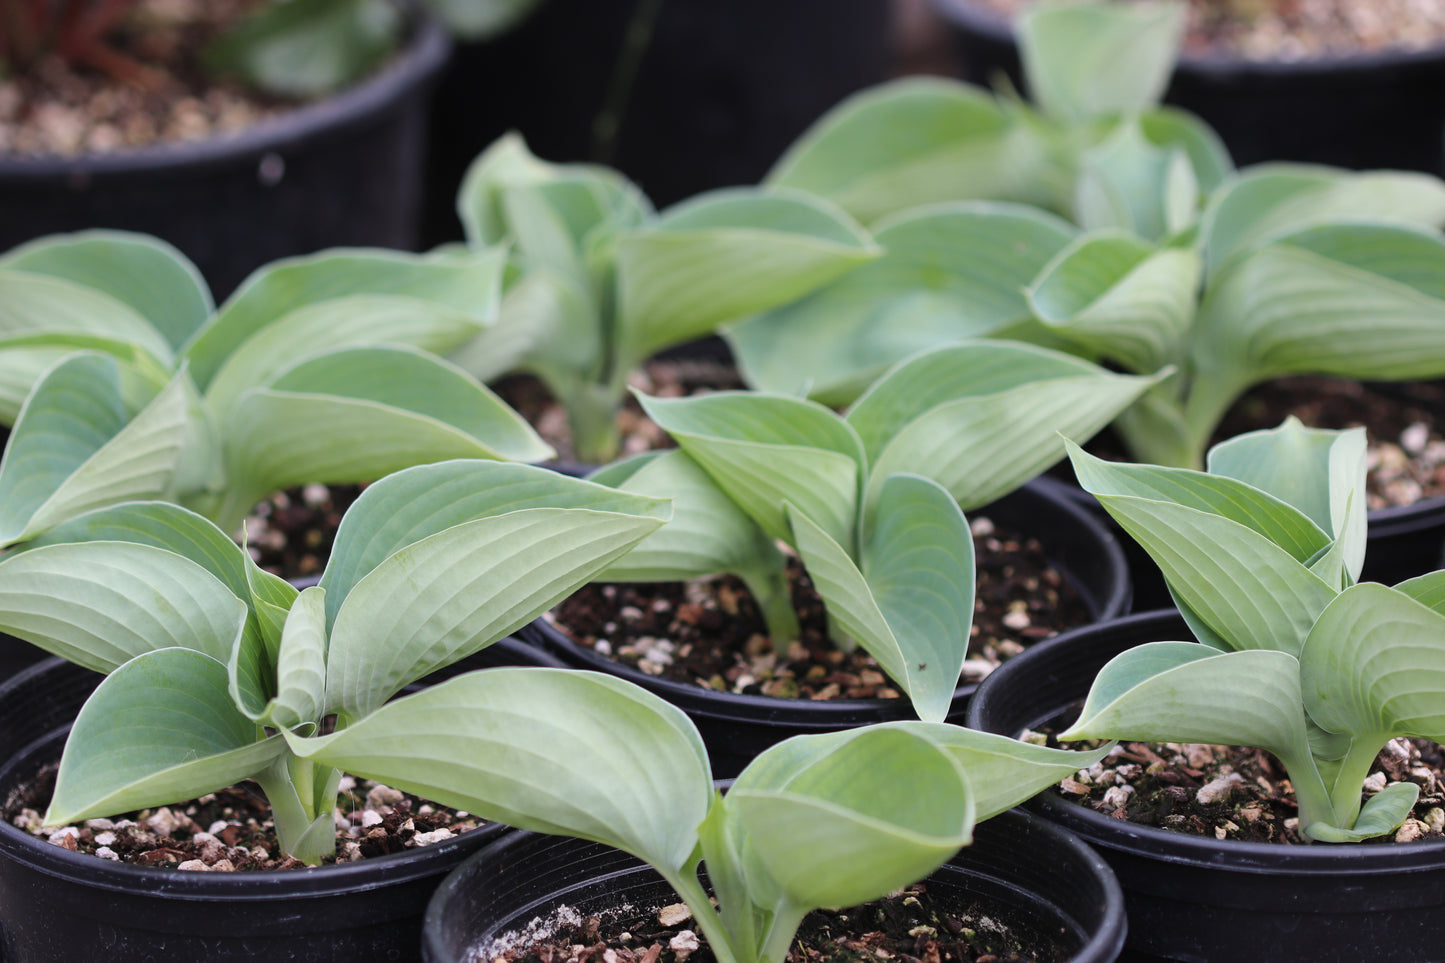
x,y
673,914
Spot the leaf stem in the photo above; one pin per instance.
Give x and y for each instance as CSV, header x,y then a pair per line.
x,y
690,888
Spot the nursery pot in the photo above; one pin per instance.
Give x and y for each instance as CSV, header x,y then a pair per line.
x,y
1018,866
1206,900
1361,110
60,905
736,727
346,170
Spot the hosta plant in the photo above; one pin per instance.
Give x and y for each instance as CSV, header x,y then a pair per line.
x,y
1094,147
872,501
213,666
1289,270
599,282
124,383
816,821
1261,553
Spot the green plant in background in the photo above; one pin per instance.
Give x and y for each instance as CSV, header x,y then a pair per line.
x,y
1261,554
295,48
816,821
599,282
1093,149
212,664
872,501
124,384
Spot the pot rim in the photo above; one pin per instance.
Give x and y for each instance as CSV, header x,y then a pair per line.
x,y
1264,859
715,704
416,65
968,15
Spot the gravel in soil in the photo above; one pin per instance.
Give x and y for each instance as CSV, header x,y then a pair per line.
x,y
231,830
709,632
56,108
914,925
1298,29
1235,792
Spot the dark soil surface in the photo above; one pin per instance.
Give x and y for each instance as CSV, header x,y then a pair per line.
x,y
1233,792
911,926
155,91
710,632
291,533
231,830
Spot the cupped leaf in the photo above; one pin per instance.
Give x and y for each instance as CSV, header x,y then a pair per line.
x,y
1267,201
1187,692
158,729
438,600
341,322
144,272
707,535
505,161
1353,300
1171,128
1011,407
470,285
305,48
948,272
909,599
1116,297
1126,181
554,751
49,305
868,814
1382,813
301,665
726,255
1374,665
407,506
916,141
24,359
766,450
548,324
99,604
81,443
1087,60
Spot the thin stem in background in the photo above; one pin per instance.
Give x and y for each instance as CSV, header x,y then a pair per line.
x,y
635,44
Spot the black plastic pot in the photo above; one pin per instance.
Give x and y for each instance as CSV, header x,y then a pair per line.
x,y
735,728
1026,869
17,654
1376,110
59,905
1205,900
719,91
346,170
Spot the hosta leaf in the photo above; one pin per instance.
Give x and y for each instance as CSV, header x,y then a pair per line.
x,y
159,729
24,359
726,255
1382,813
342,322
144,272
505,161
916,141
554,751
1119,298
707,535
1128,182
910,605
1354,300
438,600
1209,159
470,285
408,506
1187,692
1428,590
547,323
877,810
1374,663
948,272
1270,200
473,20
384,409
305,48
1087,60
301,665
98,604
40,304
981,446
77,446
765,450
